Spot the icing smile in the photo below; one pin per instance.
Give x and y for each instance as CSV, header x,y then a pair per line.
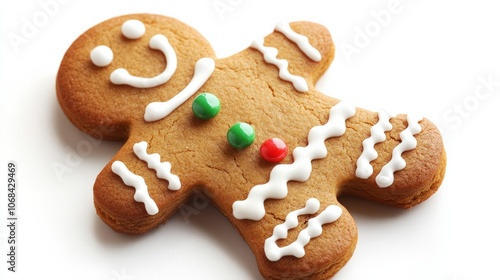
x,y
158,42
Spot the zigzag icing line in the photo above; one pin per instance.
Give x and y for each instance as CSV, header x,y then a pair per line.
x,y
377,135
270,56
408,142
300,40
300,170
313,229
162,168
133,180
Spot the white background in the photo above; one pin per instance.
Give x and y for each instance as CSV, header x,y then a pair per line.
x,y
427,57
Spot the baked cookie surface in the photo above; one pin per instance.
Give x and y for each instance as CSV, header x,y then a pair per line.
x,y
136,77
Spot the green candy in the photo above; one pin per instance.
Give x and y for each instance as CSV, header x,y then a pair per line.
x,y
206,106
240,135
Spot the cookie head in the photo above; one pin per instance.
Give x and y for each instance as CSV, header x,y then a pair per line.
x,y
113,70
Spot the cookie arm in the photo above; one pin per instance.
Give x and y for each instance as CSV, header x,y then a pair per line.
x,y
302,51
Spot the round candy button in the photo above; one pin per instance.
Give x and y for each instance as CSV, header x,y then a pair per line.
x,y
206,106
240,135
273,150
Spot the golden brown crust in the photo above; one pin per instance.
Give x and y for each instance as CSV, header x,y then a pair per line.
x,y
250,90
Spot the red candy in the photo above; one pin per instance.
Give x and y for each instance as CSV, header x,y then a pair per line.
x,y
273,150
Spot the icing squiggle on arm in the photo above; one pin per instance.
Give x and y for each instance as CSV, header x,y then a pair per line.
x,y
162,168
133,180
159,110
253,206
270,56
300,40
313,229
121,76
408,142
377,135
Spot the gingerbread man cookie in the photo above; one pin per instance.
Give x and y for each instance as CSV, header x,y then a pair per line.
x,y
272,152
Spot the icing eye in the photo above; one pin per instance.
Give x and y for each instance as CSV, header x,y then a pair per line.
x,y
133,29
101,56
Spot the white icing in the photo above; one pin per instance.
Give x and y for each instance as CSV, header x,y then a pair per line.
x,y
408,142
300,40
141,189
158,42
253,206
377,135
313,229
270,56
101,56
162,168
202,71
133,29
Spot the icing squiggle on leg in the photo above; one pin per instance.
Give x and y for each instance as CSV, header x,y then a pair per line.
x,y
162,168
253,206
408,142
133,180
313,229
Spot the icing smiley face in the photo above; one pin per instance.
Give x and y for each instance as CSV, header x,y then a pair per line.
x,y
134,29
288,212
129,51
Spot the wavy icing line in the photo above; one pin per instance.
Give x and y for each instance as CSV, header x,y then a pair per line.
x,y
377,135
300,40
270,56
162,168
300,170
133,180
408,142
313,229
203,69
141,188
